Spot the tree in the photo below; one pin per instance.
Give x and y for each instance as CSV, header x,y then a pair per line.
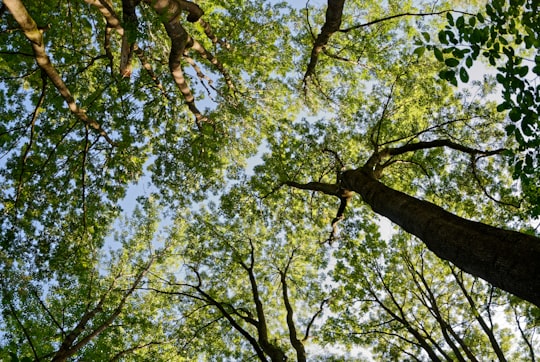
x,y
94,312
404,302
505,34
179,98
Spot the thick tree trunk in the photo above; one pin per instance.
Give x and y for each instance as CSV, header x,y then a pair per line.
x,y
507,259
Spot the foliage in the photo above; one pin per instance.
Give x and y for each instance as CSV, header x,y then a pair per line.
x,y
506,35
233,120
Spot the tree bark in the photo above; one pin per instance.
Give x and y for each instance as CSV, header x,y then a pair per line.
x,y
507,259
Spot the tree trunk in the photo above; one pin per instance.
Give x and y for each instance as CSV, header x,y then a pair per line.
x,y
507,259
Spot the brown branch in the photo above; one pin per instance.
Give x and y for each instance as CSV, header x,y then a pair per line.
x,y
168,11
203,77
35,36
25,331
328,189
275,353
68,349
483,188
113,23
205,54
374,167
312,320
293,336
121,354
47,310
343,194
525,338
210,34
398,16
128,38
148,67
35,114
476,313
429,129
208,298
83,176
401,318
195,12
375,141
334,12
449,334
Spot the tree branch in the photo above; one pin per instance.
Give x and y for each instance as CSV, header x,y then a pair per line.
x,y
411,147
168,11
312,320
68,349
32,133
334,13
35,36
128,38
258,349
398,16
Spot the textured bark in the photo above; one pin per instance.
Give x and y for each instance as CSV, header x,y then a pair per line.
x,y
35,36
334,13
507,259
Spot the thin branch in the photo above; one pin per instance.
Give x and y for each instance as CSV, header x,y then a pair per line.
x,y
487,330
411,147
42,304
523,335
210,34
375,142
68,349
203,77
25,331
429,129
35,114
148,67
398,16
121,354
205,54
295,342
83,176
334,13
254,343
483,188
35,36
312,320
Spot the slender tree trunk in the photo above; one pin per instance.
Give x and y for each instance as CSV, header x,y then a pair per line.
x,y
507,259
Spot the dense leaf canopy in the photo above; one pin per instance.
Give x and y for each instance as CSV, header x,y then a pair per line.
x,y
263,180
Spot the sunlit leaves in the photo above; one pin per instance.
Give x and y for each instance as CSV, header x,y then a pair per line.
x,y
506,41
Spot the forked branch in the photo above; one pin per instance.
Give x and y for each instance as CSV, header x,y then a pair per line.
x,y
35,36
334,13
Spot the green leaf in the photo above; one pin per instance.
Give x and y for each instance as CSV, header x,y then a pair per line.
x,y
510,129
463,75
450,18
451,62
460,23
469,61
480,17
522,71
442,37
419,51
438,54
515,114
503,106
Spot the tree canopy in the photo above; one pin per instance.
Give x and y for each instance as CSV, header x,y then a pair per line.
x,y
263,180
